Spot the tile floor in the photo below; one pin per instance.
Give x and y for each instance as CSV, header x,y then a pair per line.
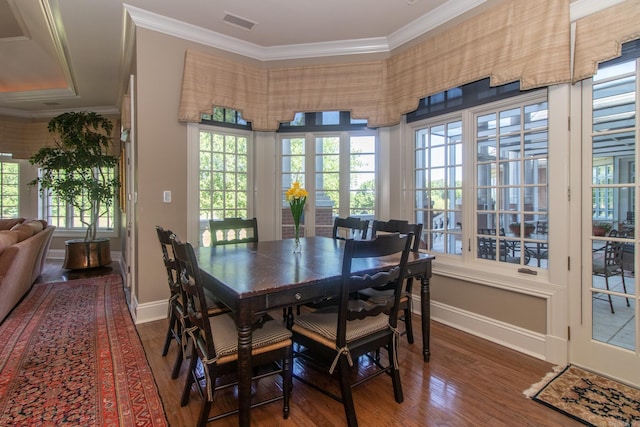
x,y
614,328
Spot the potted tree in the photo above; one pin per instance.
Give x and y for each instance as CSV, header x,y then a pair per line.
x,y
80,171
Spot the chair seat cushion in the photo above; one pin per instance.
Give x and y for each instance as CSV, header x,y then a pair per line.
x,y
267,334
324,323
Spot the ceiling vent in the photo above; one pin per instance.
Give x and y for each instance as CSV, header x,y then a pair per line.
x,y
11,24
238,21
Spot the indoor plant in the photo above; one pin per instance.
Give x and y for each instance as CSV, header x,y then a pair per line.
x,y
79,169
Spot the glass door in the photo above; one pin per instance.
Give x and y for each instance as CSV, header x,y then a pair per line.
x,y
607,336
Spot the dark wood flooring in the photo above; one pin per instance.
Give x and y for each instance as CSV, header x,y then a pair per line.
x,y
469,381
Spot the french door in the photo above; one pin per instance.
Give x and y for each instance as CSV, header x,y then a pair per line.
x,y
605,333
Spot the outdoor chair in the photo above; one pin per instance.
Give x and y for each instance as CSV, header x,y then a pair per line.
x,y
610,264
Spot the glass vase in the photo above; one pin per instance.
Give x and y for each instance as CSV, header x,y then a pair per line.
x,y
297,247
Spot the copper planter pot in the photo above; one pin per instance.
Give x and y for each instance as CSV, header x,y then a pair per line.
x,y
81,254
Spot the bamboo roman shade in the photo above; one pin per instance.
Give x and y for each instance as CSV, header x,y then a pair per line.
x,y
599,36
515,40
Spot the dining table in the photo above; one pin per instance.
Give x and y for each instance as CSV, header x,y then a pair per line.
x,y
259,277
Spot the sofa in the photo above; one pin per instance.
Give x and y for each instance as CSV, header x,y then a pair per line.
x,y
23,247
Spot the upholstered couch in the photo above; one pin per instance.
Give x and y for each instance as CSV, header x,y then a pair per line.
x,y
23,247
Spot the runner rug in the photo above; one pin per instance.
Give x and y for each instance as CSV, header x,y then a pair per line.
x,y
589,398
70,355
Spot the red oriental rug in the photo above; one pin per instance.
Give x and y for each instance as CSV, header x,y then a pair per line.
x,y
70,355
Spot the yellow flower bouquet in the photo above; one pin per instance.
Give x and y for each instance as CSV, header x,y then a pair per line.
x,y
296,196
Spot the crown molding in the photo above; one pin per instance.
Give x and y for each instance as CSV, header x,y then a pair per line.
x,y
440,15
46,114
581,8
173,27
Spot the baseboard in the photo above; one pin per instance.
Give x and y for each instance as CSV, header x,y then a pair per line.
x,y
151,311
510,336
540,346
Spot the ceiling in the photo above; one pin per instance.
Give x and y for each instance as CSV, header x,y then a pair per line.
x,y
62,55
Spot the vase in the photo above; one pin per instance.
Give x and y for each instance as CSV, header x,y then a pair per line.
x,y
297,247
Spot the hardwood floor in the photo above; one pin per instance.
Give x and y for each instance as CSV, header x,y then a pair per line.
x,y
468,382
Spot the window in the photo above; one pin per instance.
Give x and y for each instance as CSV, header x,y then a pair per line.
x,y
10,189
480,174
223,177
438,175
337,168
66,217
511,181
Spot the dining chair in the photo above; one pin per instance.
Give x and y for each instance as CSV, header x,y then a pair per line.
x,y
233,230
334,337
350,228
214,342
176,313
402,227
610,264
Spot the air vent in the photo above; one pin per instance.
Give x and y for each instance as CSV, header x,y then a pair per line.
x,y
238,21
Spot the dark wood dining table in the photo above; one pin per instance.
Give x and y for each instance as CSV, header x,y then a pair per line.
x,y
254,278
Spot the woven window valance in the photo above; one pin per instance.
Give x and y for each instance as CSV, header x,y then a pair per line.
x,y
515,40
599,37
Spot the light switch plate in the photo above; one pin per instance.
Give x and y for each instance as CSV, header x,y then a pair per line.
x,y
166,196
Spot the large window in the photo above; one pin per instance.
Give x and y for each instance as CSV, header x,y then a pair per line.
x,y
511,180
338,168
438,175
480,176
223,176
65,217
10,189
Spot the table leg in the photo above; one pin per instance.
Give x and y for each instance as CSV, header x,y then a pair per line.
x,y
244,374
425,301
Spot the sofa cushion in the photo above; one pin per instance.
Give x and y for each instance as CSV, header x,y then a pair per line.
x,y
35,224
23,231
8,223
7,238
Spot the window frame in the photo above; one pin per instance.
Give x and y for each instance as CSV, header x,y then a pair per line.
x,y
9,160
344,138
467,266
195,225
78,232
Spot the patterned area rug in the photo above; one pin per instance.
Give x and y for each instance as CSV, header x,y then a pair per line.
x,y
70,355
589,398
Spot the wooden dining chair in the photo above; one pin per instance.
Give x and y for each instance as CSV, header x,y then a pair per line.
x,y
350,228
233,230
334,337
176,313
402,227
214,342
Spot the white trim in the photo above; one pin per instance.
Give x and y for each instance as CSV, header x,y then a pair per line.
x,y
150,311
581,8
422,25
